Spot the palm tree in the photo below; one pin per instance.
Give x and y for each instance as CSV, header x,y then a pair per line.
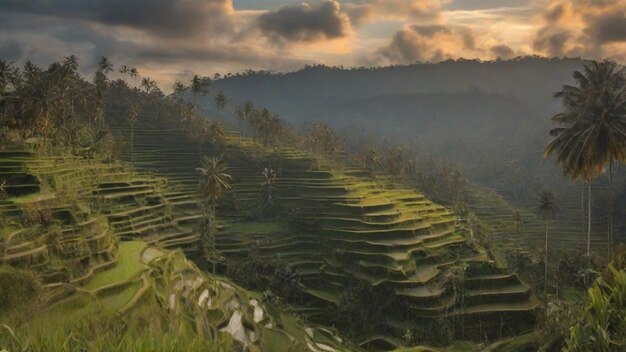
x,y
179,90
124,70
3,190
214,180
517,216
547,209
201,132
199,85
100,84
132,117
71,65
8,75
371,158
264,125
243,115
269,176
148,85
133,73
220,100
105,65
592,130
215,133
395,160
5,75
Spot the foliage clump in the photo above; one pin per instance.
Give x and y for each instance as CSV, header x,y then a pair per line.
x,y
602,324
18,287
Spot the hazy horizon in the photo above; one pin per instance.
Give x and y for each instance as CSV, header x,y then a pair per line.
x,y
172,40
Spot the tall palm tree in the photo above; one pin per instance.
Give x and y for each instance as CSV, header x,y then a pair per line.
x,y
243,115
5,75
592,131
517,216
105,65
3,191
100,83
148,85
124,70
371,158
179,94
269,176
547,209
179,90
73,78
220,100
215,133
214,180
262,125
199,85
132,117
133,73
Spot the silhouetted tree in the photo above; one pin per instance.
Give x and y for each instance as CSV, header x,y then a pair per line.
x,y
592,130
547,209
214,180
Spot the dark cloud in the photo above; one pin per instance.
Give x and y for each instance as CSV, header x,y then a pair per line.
x,y
555,13
45,39
502,51
163,17
467,35
430,30
359,14
427,43
551,41
608,28
305,23
408,46
583,28
10,50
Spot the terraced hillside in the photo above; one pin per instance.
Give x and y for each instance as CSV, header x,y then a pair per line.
x,y
568,231
63,216
352,229
148,278
96,235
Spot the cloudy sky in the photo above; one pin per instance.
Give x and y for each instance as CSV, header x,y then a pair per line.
x,y
173,39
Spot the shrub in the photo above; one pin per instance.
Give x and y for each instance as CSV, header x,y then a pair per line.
x,y
18,287
37,216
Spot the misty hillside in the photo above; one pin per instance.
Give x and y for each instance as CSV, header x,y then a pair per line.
x,y
478,114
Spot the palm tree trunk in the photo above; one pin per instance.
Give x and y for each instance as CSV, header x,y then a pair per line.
x,y
610,239
588,232
213,231
545,280
589,218
516,239
132,148
582,204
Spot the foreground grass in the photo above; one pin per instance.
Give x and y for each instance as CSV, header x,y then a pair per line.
x,y
84,322
146,329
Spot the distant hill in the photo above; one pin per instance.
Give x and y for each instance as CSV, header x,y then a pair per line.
x,y
481,115
491,118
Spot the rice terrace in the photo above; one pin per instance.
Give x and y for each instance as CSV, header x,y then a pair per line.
x,y
334,175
